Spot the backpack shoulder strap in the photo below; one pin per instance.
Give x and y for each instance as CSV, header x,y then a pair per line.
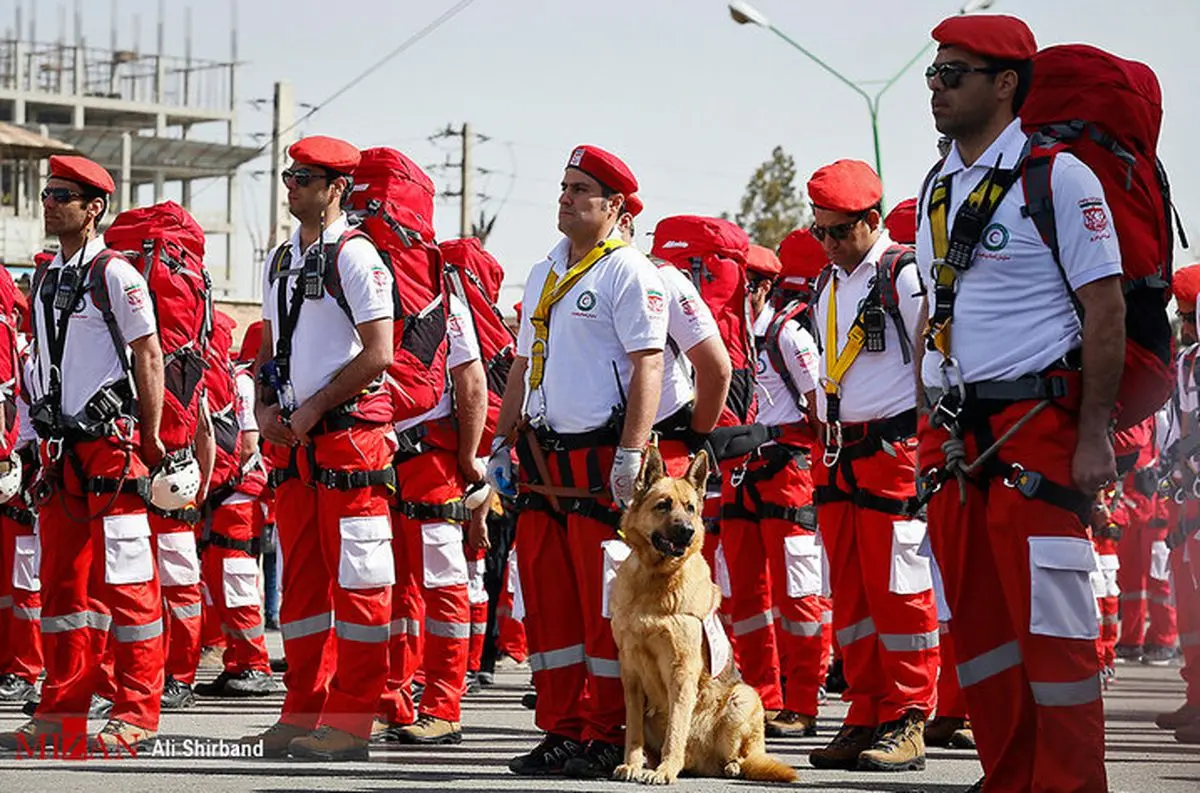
x,y
929,177
1039,195
97,288
823,279
333,274
775,355
887,271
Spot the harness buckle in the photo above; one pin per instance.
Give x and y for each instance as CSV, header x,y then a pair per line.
x,y
1024,482
833,444
737,475
54,449
1196,488
831,386
1178,498
928,484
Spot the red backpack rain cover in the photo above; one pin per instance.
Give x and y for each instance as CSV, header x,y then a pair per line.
x,y
392,199
222,394
1107,112
166,245
10,361
475,277
712,252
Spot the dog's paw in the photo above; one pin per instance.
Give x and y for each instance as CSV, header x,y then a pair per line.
x,y
657,777
626,773
733,769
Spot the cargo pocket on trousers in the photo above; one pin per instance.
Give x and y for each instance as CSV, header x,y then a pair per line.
x,y
127,555
239,581
27,563
178,564
442,548
802,556
615,552
1062,604
911,573
366,552
1159,556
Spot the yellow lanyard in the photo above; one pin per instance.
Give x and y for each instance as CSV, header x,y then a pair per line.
x,y
554,290
837,364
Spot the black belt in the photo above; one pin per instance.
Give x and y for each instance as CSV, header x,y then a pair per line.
x,y
1029,387
455,510
805,516
252,546
567,442
894,428
17,514
1109,532
585,507
354,480
904,507
188,515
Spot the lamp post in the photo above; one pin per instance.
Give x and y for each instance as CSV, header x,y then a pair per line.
x,y
745,14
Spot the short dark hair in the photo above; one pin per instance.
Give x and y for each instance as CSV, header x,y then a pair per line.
x,y
1024,70
89,194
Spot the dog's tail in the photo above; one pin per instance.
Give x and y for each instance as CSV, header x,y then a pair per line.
x,y
762,767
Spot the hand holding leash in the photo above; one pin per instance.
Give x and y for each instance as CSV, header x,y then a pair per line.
x,y
627,464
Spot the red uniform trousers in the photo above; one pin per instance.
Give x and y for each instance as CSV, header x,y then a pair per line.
x,y
231,575
563,564
179,577
714,554
884,615
1024,616
510,639
20,595
775,570
431,620
337,581
1144,575
1104,587
478,596
1185,580
951,703
101,594
210,620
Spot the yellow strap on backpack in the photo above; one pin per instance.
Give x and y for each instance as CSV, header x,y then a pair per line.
x,y
554,290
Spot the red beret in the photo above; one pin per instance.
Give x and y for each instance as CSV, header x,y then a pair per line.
x,y
517,310
901,222
801,256
251,341
42,257
1185,286
605,168
846,186
83,171
995,36
762,261
332,153
633,204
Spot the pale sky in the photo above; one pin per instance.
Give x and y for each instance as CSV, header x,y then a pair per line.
x,y
690,100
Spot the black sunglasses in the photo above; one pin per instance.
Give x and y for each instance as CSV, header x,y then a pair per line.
x,y
61,195
839,232
302,176
951,74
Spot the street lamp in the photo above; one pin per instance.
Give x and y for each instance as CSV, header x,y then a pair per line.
x,y
745,14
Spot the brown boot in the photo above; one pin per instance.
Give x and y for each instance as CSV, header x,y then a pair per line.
x,y
899,746
843,751
28,735
430,730
962,739
119,737
939,731
275,739
1182,717
1189,733
789,723
329,744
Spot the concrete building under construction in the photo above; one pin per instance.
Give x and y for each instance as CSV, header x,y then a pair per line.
x,y
164,125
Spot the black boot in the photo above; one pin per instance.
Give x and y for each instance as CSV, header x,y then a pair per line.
x,y
548,758
177,695
598,760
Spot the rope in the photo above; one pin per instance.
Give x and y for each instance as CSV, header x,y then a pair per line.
x,y
955,449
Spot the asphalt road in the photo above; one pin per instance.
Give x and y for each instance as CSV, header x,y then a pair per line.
x,y
496,727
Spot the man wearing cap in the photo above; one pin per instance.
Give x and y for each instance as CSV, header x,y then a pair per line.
x,y
866,319
1003,345
1183,538
583,392
324,418
98,429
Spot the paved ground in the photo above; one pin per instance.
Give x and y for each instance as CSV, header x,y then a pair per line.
x,y
1141,758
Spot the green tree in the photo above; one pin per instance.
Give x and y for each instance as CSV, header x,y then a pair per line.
x,y
772,206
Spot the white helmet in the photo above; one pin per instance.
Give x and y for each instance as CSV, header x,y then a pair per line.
x,y
176,483
477,494
10,478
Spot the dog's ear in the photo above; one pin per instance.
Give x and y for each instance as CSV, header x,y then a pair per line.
x,y
653,469
697,472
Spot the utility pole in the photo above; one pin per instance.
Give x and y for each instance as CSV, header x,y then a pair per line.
x,y
283,118
466,170
464,206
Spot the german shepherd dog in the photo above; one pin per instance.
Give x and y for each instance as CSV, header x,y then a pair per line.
x,y
679,710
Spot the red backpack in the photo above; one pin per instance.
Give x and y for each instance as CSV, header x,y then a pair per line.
x,y
10,361
713,254
475,277
221,389
166,245
1107,112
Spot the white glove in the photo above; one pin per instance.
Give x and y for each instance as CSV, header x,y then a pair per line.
x,y
500,473
627,464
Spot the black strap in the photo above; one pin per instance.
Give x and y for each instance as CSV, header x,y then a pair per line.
x,y
100,485
253,547
456,511
805,516
585,507
354,480
288,313
887,271
775,355
17,514
831,494
188,515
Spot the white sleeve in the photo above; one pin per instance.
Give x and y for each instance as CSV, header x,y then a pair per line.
x,y
1087,239
460,330
130,300
799,353
245,402
639,304
533,291
689,320
366,282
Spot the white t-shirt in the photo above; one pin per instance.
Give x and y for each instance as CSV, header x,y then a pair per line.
x,y
689,322
878,385
1013,315
776,406
325,340
464,348
618,307
90,360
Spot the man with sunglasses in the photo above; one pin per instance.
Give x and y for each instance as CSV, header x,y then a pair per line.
x,y
98,431
1001,371
327,432
866,314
